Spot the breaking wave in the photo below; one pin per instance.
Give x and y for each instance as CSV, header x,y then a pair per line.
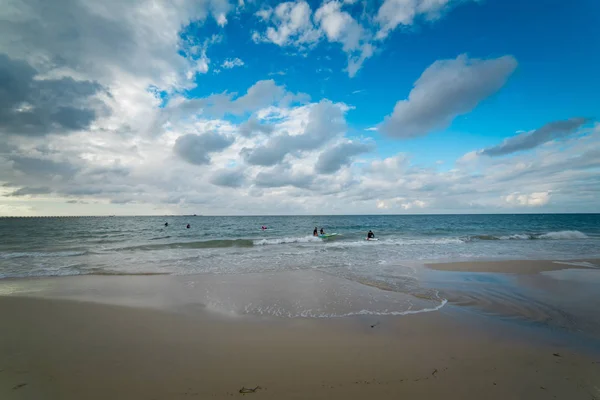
x,y
40,254
560,235
286,240
206,244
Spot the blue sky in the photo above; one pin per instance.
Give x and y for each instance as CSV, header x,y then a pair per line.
x,y
555,44
377,106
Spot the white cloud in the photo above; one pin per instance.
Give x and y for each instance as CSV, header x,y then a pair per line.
x,y
446,89
413,204
195,149
404,12
232,63
340,155
264,14
105,170
469,157
106,40
292,25
262,94
338,25
356,60
531,200
382,205
228,177
149,149
322,122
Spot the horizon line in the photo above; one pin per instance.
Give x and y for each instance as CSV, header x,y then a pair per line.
x,y
292,215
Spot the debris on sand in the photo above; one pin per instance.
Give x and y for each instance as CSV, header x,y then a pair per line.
x,y
245,390
19,386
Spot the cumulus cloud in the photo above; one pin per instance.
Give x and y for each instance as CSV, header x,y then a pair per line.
x,y
39,106
325,120
253,126
529,140
531,200
390,167
196,149
292,25
282,176
232,63
131,66
338,25
446,89
103,40
413,204
233,178
340,155
404,12
260,95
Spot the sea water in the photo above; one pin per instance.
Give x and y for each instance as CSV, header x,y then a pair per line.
x,y
140,245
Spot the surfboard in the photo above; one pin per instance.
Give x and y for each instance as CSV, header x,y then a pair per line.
x,y
328,235
371,239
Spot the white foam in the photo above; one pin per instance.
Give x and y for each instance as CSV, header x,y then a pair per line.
x,y
397,242
276,311
37,254
515,237
564,235
285,240
577,263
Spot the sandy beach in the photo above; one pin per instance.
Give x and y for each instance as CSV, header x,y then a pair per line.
x,y
70,350
76,348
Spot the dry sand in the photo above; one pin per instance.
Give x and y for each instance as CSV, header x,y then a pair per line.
x,y
514,267
55,349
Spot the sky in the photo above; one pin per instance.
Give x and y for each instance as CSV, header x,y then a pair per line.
x,y
240,107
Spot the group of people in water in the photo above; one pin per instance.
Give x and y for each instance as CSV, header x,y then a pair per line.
x,y
187,226
316,232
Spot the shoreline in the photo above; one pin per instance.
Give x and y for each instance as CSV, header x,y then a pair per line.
x,y
514,266
491,265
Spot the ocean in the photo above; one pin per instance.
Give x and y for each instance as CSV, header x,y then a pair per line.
x,y
33,247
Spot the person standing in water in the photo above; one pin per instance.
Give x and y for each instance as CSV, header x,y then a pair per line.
x,y
188,226
322,231
370,235
316,232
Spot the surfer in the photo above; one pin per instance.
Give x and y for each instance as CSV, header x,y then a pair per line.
x,y
166,224
263,227
188,226
316,232
322,231
370,235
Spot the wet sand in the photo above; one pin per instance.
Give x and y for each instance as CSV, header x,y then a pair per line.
x,y
514,267
57,349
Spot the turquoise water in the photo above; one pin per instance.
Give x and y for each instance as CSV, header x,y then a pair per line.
x,y
140,245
